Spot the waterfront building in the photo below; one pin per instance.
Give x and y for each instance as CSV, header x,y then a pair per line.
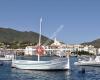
x,y
78,47
56,43
29,50
98,51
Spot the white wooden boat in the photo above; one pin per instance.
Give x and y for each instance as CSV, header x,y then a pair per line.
x,y
56,64
90,62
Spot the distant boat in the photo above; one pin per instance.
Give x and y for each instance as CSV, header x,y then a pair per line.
x,y
90,62
56,64
7,58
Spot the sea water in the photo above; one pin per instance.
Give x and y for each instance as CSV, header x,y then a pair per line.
x,y
75,73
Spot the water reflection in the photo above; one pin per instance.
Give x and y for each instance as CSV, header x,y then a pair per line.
x,y
40,75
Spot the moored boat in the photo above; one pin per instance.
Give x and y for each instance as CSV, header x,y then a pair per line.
x,y
90,62
7,58
56,64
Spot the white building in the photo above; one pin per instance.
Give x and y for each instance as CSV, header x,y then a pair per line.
x,y
56,43
98,51
77,47
29,50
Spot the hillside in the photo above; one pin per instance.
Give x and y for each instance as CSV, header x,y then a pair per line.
x,y
95,43
8,36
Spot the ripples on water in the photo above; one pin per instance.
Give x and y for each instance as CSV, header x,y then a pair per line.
x,y
8,73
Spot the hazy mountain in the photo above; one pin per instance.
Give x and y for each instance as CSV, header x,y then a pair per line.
x,y
95,43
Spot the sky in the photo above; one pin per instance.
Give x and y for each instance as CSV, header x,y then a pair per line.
x,y
80,18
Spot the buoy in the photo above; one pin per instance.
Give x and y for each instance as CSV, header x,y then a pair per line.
x,y
83,71
1,64
40,50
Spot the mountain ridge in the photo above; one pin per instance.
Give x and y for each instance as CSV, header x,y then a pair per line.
x,y
11,35
95,43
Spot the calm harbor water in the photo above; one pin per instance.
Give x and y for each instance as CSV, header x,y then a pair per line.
x,y
8,73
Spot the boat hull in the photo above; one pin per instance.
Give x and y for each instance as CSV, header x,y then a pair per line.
x,y
61,64
7,58
4,59
92,63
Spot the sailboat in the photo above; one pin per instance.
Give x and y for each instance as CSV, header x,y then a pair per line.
x,y
55,64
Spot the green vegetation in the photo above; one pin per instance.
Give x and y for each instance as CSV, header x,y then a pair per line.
x,y
83,53
10,38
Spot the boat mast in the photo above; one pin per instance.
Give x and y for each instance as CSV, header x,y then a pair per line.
x,y
68,62
40,37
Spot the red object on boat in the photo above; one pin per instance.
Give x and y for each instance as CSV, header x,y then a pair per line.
x,y
40,50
